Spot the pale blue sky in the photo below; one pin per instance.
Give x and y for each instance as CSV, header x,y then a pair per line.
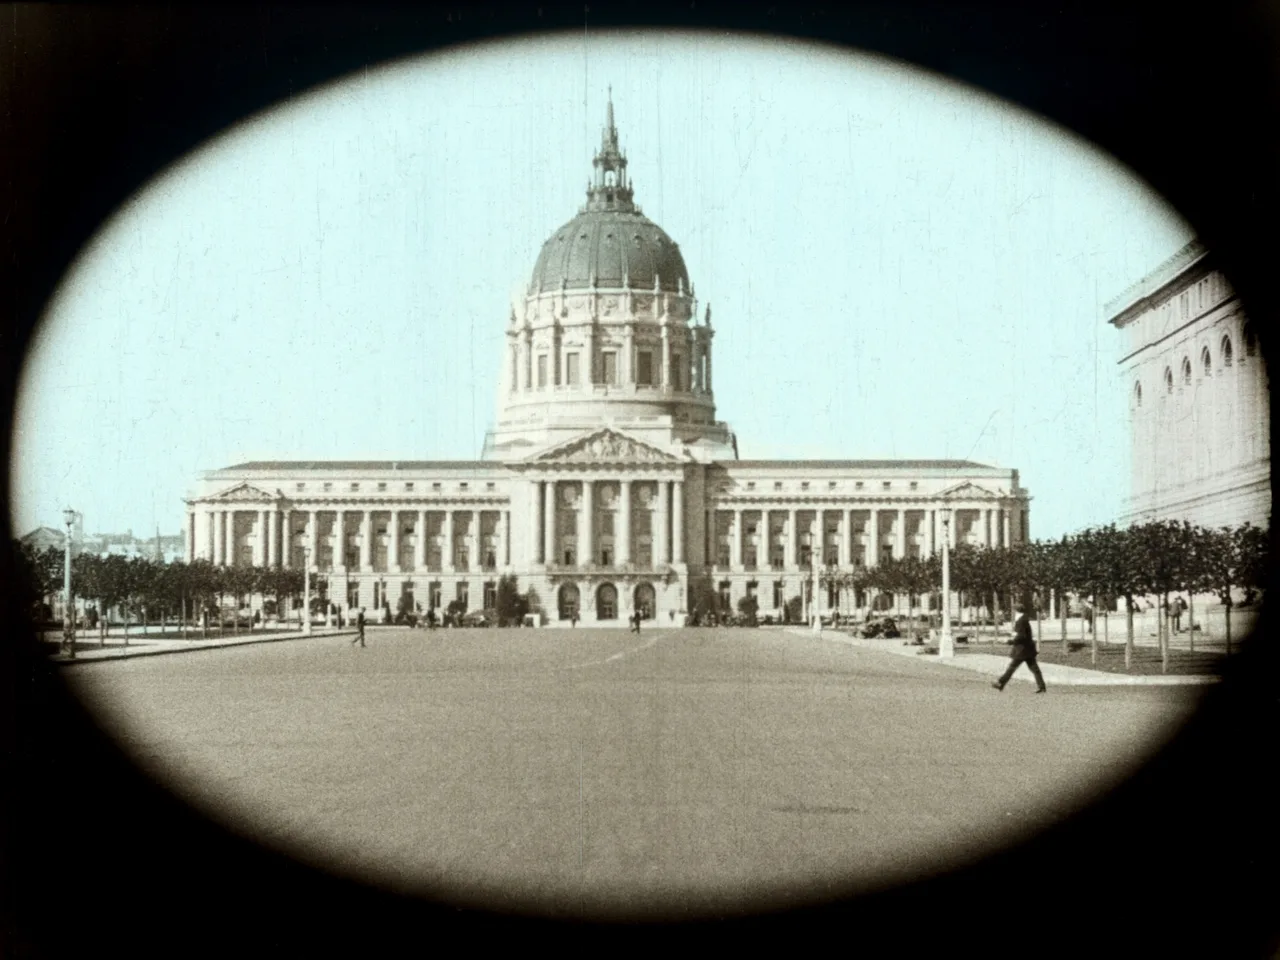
x,y
898,267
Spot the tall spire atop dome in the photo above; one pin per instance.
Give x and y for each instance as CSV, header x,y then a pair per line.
x,y
610,189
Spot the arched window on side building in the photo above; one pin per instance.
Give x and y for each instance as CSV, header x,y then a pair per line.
x,y
1168,380
1186,371
1250,341
1226,351
1206,362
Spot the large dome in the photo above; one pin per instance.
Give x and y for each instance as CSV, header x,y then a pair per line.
x,y
609,245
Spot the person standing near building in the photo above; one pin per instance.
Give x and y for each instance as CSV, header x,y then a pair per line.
x,y
359,628
1023,651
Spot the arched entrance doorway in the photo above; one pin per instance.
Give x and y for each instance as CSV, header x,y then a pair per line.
x,y
567,601
646,601
607,602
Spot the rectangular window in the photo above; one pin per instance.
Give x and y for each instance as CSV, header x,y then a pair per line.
x,y
382,486
490,595
804,485
327,487
571,369
644,368
462,486
676,380
858,485
885,485
914,485
831,484
435,488
302,486
751,484
542,370
355,487
609,361
777,594
433,595
463,595
777,485
409,487
490,485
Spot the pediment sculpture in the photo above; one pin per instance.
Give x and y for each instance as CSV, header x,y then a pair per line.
x,y
244,493
608,446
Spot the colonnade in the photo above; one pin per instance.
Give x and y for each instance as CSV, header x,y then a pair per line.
x,y
982,525
662,500
216,534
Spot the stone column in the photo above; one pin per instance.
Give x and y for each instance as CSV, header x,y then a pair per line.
x,y
229,543
627,373
446,552
932,521
666,357
286,539
504,551
677,522
661,554
526,359
534,530
707,348
260,543
873,538
393,547
366,541
273,539
420,547
477,534
790,562
589,361
765,547
313,534
736,543
549,523
586,524
623,539
208,539
900,544
1006,528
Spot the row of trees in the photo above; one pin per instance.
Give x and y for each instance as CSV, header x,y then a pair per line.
x,y
1103,564
151,589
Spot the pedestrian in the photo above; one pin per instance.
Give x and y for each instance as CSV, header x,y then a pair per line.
x,y
573,618
359,628
635,622
1023,651
1178,606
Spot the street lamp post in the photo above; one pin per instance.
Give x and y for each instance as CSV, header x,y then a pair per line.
x,y
306,591
68,615
946,645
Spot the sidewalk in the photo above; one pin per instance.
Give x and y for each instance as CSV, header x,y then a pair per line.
x,y
88,651
993,666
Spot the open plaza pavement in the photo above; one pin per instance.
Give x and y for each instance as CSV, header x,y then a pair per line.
x,y
594,772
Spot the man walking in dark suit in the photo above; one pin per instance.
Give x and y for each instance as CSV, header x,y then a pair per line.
x,y
1023,651
359,628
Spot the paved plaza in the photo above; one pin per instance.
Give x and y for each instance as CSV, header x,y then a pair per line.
x,y
602,773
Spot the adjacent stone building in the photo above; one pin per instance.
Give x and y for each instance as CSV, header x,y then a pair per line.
x,y
607,484
1198,397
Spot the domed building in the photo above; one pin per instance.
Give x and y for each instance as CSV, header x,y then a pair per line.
x,y
607,485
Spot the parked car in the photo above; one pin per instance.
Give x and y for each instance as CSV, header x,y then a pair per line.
x,y
881,627
476,618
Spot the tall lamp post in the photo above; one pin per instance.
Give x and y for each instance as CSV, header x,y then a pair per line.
x,y
306,591
946,645
68,615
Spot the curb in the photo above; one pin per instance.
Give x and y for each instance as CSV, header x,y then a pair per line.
x,y
1082,677
62,661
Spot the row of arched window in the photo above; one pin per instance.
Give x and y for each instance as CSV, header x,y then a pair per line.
x,y
1225,350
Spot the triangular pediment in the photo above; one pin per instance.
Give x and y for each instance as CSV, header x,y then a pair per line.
x,y
243,493
969,491
604,446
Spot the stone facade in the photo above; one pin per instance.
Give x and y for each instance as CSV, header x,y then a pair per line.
x,y
607,484
1198,398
